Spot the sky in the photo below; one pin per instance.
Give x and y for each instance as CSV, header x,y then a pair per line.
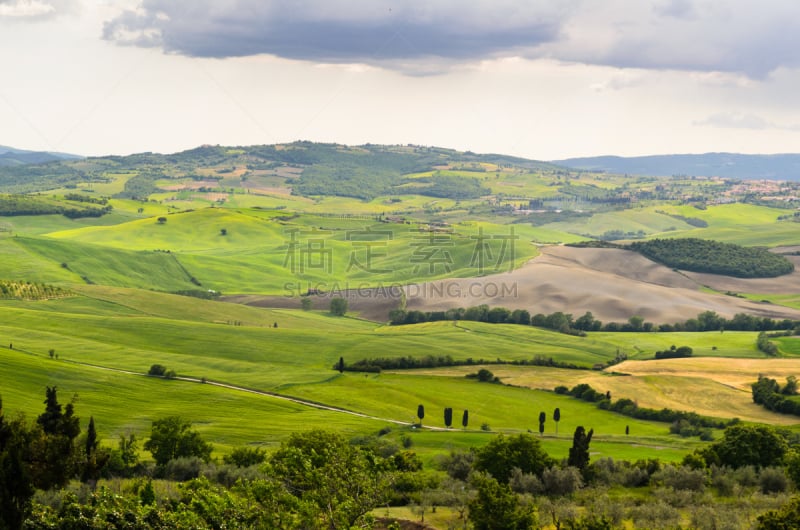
x,y
541,79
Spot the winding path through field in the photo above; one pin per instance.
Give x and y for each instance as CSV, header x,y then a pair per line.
x,y
299,401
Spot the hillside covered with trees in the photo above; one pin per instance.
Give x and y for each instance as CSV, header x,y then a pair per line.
x,y
319,169
702,255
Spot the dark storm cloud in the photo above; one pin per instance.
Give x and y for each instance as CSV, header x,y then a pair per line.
x,y
739,36
371,31
704,35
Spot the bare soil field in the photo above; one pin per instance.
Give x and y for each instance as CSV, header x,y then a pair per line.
x,y
613,284
196,185
271,191
786,250
288,172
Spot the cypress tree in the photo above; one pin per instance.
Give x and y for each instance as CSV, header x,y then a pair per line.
x,y
91,438
579,452
448,417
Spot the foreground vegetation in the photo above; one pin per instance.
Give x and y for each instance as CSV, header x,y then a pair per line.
x,y
319,479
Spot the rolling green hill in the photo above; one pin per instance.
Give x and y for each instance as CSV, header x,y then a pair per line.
x,y
255,251
108,329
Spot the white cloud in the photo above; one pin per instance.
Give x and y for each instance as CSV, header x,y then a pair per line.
x,y
736,120
619,81
33,9
743,120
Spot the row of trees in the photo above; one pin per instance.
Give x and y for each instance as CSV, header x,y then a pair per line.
x,y
448,416
407,362
481,313
448,411
79,197
30,291
13,205
567,323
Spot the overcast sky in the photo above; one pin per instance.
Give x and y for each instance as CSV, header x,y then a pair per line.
x,y
543,79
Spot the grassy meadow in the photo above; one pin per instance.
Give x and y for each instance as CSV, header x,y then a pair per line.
x,y
104,340
254,251
744,224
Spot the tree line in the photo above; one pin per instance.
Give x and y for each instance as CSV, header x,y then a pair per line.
x,y
14,205
79,197
30,291
567,323
408,362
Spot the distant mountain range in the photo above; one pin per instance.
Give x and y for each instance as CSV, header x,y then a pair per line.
x,y
729,165
10,156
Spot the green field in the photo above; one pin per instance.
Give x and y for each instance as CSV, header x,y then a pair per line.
x,y
104,329
261,251
709,344
788,300
788,346
743,224
216,412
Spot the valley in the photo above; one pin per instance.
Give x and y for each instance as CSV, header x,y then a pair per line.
x,y
221,266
